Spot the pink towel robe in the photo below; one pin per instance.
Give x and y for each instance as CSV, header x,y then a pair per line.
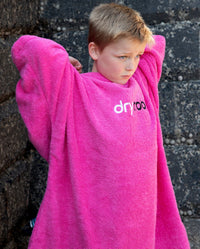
x,y
108,183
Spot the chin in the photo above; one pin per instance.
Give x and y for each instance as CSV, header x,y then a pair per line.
x,y
121,82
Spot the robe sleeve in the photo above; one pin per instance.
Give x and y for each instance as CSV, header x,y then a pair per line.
x,y
150,66
42,64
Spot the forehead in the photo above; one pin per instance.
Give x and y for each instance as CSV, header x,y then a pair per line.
x,y
127,45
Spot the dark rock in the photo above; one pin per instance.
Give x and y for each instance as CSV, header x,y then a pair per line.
x,y
183,162
179,112
75,44
12,133
3,215
8,73
182,50
157,11
193,230
14,196
18,16
39,173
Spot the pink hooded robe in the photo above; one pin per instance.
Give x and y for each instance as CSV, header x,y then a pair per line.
x,y
108,183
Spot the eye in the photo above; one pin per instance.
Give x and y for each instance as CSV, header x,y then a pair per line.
x,y
122,57
138,56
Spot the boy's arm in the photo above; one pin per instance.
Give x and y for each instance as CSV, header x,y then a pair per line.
x,y
150,66
42,64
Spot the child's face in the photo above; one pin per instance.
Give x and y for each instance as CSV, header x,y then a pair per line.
x,y
119,60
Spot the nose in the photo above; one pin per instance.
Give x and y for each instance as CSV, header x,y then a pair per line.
x,y
130,65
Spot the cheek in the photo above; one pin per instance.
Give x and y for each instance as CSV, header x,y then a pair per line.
x,y
138,61
107,63
119,66
136,65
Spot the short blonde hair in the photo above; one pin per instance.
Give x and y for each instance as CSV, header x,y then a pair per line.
x,y
110,22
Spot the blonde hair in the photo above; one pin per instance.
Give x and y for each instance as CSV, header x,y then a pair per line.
x,y
110,22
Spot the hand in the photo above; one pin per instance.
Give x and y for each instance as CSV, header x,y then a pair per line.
x,y
75,63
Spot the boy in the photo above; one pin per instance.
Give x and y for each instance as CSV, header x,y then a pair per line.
x,y
108,183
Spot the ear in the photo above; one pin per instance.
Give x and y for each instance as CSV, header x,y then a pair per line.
x,y
93,51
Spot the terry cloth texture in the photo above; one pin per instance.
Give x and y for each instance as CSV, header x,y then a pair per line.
x,y
108,182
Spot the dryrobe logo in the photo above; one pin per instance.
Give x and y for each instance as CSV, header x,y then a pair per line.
x,y
129,107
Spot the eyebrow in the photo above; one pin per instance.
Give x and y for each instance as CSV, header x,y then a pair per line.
x,y
128,53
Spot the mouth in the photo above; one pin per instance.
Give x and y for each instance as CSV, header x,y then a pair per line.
x,y
126,76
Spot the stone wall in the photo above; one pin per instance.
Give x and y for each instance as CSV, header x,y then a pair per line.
x,y
23,172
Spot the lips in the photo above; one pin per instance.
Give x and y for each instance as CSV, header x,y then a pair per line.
x,y
126,76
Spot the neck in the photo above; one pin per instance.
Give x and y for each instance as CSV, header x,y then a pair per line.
x,y
94,68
